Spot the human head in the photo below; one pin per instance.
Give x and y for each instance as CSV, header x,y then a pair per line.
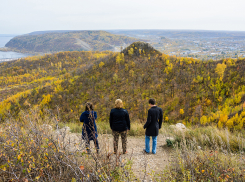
x,y
152,101
118,103
89,107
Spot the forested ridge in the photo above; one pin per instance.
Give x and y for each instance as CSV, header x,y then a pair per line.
x,y
190,91
42,98
68,41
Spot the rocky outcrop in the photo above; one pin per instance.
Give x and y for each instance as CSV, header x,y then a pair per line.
x,y
178,127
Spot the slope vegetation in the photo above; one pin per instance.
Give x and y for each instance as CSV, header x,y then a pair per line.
x,y
189,90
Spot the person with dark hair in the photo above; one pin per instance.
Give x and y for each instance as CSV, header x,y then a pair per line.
x,y
152,126
89,130
120,124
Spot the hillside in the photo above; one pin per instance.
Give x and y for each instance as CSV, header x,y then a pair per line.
x,y
52,41
189,90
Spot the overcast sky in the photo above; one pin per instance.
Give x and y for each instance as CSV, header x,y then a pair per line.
x,y
25,16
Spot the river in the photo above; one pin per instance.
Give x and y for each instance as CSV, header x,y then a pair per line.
x,y
7,56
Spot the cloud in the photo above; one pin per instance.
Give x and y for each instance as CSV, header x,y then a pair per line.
x,y
29,15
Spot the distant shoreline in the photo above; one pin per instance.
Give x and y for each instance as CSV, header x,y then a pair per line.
x,y
8,59
7,49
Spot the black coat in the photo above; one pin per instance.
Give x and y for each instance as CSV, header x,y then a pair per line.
x,y
119,120
154,121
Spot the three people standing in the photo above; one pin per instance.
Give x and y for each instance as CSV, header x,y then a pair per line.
x,y
120,124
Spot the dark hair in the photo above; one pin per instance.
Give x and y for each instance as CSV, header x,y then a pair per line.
x,y
152,101
89,107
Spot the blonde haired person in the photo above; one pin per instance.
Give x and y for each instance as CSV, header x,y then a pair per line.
x,y
120,124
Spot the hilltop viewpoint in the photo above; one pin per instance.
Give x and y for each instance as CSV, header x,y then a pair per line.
x,y
42,98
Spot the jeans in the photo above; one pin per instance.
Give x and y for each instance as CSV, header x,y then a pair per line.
x,y
154,144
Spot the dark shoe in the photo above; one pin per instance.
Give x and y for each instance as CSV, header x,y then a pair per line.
x,y
144,152
125,152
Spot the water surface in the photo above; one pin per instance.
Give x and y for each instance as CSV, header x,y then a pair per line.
x,y
10,55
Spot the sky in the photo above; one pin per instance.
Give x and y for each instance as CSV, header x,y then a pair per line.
x,y
25,16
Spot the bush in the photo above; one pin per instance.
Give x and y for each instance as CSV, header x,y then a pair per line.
x,y
210,138
193,164
32,152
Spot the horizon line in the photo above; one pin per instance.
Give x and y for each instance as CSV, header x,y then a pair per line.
x,y
198,30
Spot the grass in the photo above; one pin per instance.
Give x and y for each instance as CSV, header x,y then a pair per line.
x,y
190,164
35,152
136,129
210,138
205,154
32,150
205,137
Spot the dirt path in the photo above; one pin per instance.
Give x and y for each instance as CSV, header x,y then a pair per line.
x,y
147,162
142,164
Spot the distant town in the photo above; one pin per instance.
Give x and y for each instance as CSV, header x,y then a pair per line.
x,y
201,44
197,44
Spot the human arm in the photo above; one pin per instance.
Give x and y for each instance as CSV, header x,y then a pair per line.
x,y
127,120
148,120
160,118
110,119
95,115
81,118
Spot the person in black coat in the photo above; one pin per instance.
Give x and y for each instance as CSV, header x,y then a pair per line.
x,y
120,124
152,126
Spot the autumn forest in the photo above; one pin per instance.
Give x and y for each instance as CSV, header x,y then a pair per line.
x,y
205,96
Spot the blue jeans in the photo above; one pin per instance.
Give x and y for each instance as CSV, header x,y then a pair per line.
x,y
154,144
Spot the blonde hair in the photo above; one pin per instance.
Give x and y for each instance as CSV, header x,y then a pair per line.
x,y
118,103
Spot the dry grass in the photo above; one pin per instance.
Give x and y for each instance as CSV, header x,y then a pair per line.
x,y
206,154
104,128
41,149
33,152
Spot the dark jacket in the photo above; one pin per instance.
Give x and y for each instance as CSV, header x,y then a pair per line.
x,y
154,121
89,131
119,120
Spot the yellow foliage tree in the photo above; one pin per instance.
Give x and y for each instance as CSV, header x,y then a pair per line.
x,y
118,59
140,51
131,51
101,64
220,69
131,73
204,120
115,77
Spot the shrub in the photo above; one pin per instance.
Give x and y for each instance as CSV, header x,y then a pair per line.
x,y
32,152
193,164
210,138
